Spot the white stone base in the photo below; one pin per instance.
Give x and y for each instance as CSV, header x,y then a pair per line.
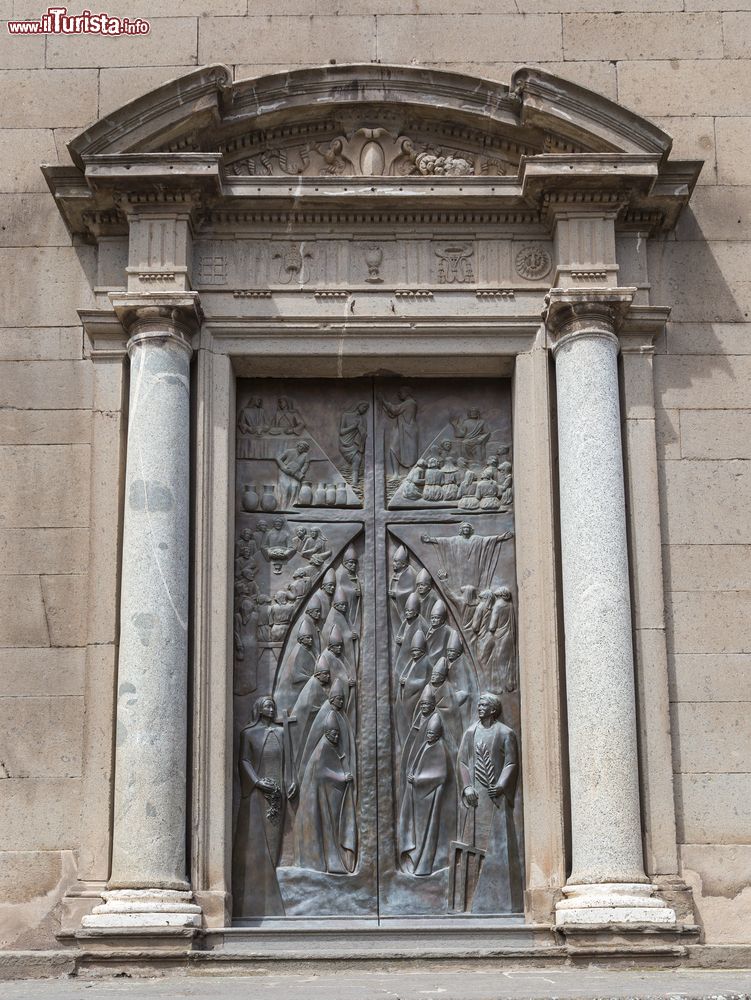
x,y
612,903
144,908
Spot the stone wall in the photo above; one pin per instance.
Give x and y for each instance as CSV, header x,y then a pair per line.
x,y
684,63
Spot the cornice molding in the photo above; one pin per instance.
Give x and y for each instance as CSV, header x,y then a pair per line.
x,y
384,138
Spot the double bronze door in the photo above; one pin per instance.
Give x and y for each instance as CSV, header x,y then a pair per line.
x,y
376,707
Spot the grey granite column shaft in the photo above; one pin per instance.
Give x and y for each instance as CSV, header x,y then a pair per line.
x,y
605,810
148,849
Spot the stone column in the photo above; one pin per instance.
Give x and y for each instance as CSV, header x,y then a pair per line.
x,y
607,883
148,885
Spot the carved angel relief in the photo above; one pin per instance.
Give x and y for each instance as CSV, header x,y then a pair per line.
x,y
367,152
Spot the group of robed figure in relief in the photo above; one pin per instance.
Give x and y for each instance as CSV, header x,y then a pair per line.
x,y
298,755
456,761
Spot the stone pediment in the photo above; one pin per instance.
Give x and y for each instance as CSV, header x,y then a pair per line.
x,y
369,120
455,135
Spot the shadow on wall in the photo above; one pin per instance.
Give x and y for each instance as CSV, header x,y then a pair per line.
x,y
704,366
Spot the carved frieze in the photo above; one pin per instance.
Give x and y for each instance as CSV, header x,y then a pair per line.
x,y
328,265
366,151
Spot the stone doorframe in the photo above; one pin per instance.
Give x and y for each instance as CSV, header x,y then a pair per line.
x,y
553,192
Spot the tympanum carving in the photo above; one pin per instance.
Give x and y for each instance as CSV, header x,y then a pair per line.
x,y
368,152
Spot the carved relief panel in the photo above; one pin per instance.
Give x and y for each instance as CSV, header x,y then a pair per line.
x,y
375,659
280,262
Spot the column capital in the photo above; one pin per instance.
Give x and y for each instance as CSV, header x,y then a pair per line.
x,y
572,313
165,316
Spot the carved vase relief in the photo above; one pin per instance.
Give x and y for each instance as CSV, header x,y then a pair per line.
x,y
368,152
376,676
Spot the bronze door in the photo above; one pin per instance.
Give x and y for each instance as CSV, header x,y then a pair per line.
x,y
374,605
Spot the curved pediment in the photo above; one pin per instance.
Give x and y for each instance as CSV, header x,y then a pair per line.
x,y
370,120
321,134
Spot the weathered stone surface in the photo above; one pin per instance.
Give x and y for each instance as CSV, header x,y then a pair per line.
x,y
39,344
642,36
708,338
62,137
22,150
32,98
713,808
25,874
41,487
31,220
41,736
65,607
685,86
708,502
703,282
717,213
656,771
32,884
710,622
586,6
66,274
23,622
45,426
707,567
153,9
280,40
598,76
736,28
710,677
667,432
38,385
719,878
637,387
733,166
525,37
39,814
693,139
171,39
21,51
644,523
702,382
120,85
716,433
43,550
711,738
41,671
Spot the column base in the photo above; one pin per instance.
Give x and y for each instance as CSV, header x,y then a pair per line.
x,y
143,908
612,903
